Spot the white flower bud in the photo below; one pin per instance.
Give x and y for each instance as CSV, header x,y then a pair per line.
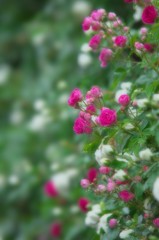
x,y
119,175
125,233
145,154
155,190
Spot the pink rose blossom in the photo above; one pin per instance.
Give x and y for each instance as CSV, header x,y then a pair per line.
x,y
92,174
120,41
143,31
126,29
91,109
85,183
111,185
128,1
156,222
50,189
86,23
95,41
98,14
104,170
107,117
96,26
83,204
119,182
126,196
94,92
112,223
148,47
82,126
111,16
75,97
139,46
84,115
101,188
149,14
124,100
56,229
105,56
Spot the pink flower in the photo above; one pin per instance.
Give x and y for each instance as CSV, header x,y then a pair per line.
x,y
120,41
91,109
92,174
75,97
117,23
86,23
124,100
83,204
94,92
149,14
50,189
139,46
126,196
98,14
85,183
148,47
56,229
112,223
128,1
101,188
104,170
84,115
111,185
143,31
95,41
82,126
107,117
96,26
156,222
105,56
111,16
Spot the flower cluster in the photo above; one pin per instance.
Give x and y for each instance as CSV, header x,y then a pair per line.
x,y
92,112
111,33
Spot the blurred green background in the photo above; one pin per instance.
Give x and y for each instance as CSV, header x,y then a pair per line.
x,y
43,57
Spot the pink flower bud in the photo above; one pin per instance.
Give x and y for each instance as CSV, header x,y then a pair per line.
x,y
139,46
85,183
126,196
104,170
50,189
148,47
111,16
82,126
86,23
111,185
101,188
112,223
143,31
124,100
83,204
105,56
95,41
91,109
75,97
107,117
126,29
156,222
92,174
149,14
98,14
96,26
56,229
120,41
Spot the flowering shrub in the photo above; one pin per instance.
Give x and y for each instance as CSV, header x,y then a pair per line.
x,y
123,124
